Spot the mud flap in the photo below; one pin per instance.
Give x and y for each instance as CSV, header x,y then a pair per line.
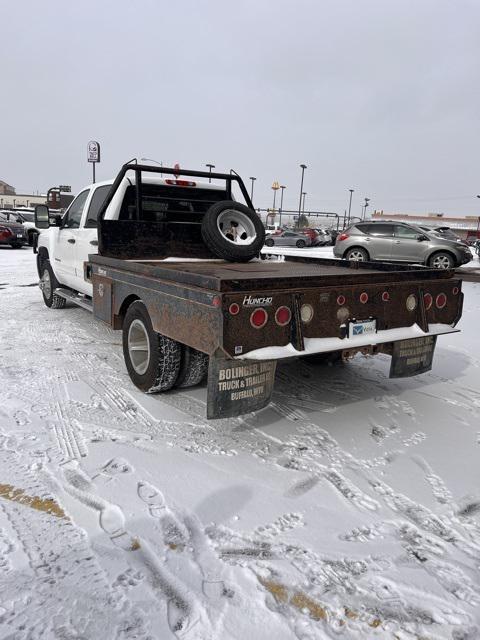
x,y
412,357
236,387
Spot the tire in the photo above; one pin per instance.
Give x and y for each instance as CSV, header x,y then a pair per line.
x,y
48,284
159,369
357,254
300,244
269,242
441,260
245,240
16,245
193,368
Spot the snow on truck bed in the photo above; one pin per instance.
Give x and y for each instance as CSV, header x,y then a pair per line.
x,y
349,508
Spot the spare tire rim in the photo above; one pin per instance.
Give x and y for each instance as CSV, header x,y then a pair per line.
x,y
442,262
356,255
138,346
46,284
236,227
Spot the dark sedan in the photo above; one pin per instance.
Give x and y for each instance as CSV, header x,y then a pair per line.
x,y
11,232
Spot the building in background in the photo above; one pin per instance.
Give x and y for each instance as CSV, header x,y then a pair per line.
x,y
466,227
6,189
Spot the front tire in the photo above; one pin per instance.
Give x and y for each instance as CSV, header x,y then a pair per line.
x,y
152,360
441,260
357,254
232,231
48,284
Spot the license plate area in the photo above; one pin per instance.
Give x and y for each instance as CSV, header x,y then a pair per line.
x,y
19,235
362,327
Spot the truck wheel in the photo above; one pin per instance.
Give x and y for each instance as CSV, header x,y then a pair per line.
x,y
152,360
357,254
232,231
48,283
441,260
193,369
300,244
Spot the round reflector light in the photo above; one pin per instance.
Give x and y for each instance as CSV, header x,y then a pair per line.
x,y
259,318
341,300
385,296
441,300
306,313
234,309
283,316
411,302
364,297
455,291
428,300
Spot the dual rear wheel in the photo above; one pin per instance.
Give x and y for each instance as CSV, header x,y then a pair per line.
x,y
154,362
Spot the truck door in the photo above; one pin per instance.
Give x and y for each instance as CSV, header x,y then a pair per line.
x,y
87,239
65,253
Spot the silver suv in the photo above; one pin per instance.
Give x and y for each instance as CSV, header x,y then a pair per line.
x,y
399,242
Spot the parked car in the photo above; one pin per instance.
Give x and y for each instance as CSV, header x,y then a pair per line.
x,y
288,239
400,242
443,232
312,234
324,237
11,231
27,218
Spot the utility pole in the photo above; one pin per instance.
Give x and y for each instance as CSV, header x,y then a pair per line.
x,y
282,187
303,167
252,178
349,207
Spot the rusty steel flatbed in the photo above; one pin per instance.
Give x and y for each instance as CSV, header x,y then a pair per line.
x,y
217,275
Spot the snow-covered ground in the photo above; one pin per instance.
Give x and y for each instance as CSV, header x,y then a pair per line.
x,y
349,508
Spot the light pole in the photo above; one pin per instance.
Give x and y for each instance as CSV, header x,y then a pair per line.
x,y
349,206
304,194
367,200
303,167
210,166
151,160
282,187
252,178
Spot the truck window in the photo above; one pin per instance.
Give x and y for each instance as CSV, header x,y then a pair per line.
x,y
161,203
74,214
96,202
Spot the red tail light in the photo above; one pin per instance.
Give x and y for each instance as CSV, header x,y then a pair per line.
x,y
428,300
181,183
455,291
234,309
440,300
341,300
343,236
4,231
259,318
364,297
385,296
283,316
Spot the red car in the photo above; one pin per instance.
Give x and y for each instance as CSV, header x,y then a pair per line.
x,y
11,232
312,234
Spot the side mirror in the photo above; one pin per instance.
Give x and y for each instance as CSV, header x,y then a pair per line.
x,y
422,238
42,219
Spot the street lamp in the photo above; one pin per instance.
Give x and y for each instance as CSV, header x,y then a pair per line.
x,y
364,214
210,166
151,160
252,178
282,187
303,167
350,205
304,194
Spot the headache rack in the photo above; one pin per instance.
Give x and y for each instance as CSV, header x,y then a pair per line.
x,y
139,233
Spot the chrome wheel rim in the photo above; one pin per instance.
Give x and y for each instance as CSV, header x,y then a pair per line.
x,y
138,346
236,227
46,284
356,255
441,262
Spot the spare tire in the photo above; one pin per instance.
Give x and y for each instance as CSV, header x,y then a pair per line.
x,y
232,231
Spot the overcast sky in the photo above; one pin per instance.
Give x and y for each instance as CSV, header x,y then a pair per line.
x,y
382,96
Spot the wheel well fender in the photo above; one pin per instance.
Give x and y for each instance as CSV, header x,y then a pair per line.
x,y
119,317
